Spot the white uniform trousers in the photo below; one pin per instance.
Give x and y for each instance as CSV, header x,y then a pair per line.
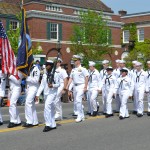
x,y
118,104
108,100
1,119
148,99
138,101
78,93
88,102
13,111
123,107
58,104
30,110
49,110
92,95
103,100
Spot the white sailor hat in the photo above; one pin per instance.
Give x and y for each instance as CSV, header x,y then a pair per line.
x,y
76,57
124,70
117,61
109,68
122,61
134,62
59,59
138,64
92,63
148,62
105,61
49,62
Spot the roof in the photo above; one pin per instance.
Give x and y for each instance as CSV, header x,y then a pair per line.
x,y
7,8
87,4
136,14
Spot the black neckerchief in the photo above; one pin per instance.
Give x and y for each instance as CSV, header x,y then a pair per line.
x,y
90,77
138,76
121,83
148,74
107,79
104,72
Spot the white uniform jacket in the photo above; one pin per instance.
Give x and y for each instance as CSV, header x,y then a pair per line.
x,y
2,84
44,85
116,72
103,73
147,80
108,83
33,79
139,80
78,75
62,74
124,85
14,82
94,80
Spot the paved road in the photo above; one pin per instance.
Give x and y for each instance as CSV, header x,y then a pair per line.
x,y
95,133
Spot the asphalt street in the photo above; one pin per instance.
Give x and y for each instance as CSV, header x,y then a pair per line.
x,y
95,133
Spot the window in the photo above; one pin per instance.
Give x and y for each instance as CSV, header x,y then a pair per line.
x,y
14,25
141,35
53,8
126,35
54,31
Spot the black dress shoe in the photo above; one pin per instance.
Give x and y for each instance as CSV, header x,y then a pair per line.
x,y
121,118
88,113
134,112
97,109
94,113
47,128
139,115
26,125
108,115
116,111
104,113
1,123
11,125
148,113
74,115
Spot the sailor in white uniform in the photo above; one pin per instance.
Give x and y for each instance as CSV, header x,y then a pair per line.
x,y
79,76
32,87
50,93
93,88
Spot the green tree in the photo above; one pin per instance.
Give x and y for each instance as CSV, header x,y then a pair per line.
x,y
14,35
91,37
140,52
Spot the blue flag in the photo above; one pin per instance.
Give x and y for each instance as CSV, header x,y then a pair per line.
x,y
24,57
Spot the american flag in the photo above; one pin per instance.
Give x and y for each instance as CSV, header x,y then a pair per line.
x,y
8,60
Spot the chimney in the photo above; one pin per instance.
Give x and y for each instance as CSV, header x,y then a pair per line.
x,y
122,12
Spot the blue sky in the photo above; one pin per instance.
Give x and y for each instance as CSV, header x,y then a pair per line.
x,y
131,6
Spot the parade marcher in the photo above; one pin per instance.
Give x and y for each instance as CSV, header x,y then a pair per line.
x,y
2,90
148,86
32,87
133,71
79,76
15,90
108,85
93,87
50,92
122,65
139,79
124,89
103,73
61,89
116,71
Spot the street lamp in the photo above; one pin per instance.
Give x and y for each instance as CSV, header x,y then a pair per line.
x,y
58,46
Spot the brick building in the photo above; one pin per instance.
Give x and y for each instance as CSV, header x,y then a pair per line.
x,y
142,22
52,20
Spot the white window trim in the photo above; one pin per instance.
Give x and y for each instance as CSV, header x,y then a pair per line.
x,y
124,38
54,7
57,32
138,33
15,21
